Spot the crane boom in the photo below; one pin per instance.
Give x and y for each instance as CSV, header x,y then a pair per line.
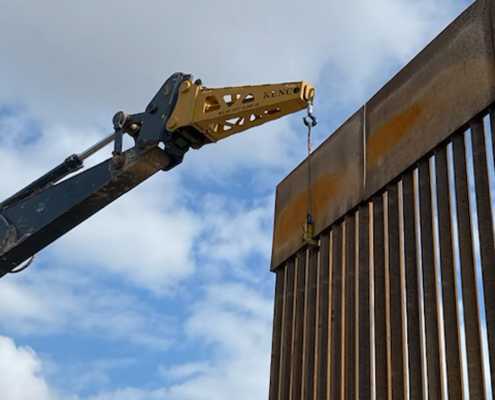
x,y
182,115
219,113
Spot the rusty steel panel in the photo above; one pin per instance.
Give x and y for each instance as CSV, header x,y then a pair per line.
x,y
287,326
429,279
364,305
277,333
321,372
335,332
469,290
390,303
485,231
381,346
437,93
450,304
416,383
299,306
397,356
350,309
310,325
336,166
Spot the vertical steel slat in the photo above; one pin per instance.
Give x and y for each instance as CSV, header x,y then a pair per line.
x,y
356,305
343,316
305,330
395,294
371,259
277,331
323,319
457,268
287,326
381,365
364,365
469,290
336,349
294,322
403,295
330,314
350,308
386,243
310,324
421,297
430,299
485,231
492,129
412,291
298,326
317,323
438,280
452,324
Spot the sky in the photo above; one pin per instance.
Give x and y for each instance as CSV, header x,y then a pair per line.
x,y
166,293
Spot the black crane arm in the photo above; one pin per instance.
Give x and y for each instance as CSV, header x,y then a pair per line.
x,y
182,115
29,225
49,207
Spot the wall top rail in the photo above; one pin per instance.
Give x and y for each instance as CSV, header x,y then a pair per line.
x,y
435,95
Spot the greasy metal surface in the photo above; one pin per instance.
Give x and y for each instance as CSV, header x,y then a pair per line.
x,y
439,91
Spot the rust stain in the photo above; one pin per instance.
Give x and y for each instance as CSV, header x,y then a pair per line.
x,y
291,218
385,138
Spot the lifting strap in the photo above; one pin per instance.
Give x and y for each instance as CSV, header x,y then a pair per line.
x,y
308,229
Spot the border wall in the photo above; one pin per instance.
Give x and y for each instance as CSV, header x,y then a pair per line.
x,y
398,299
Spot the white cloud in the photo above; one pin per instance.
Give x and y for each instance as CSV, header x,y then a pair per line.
x,y
46,302
148,243
183,371
234,321
21,373
235,232
83,66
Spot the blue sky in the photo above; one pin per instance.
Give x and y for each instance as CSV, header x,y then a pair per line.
x,y
166,294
